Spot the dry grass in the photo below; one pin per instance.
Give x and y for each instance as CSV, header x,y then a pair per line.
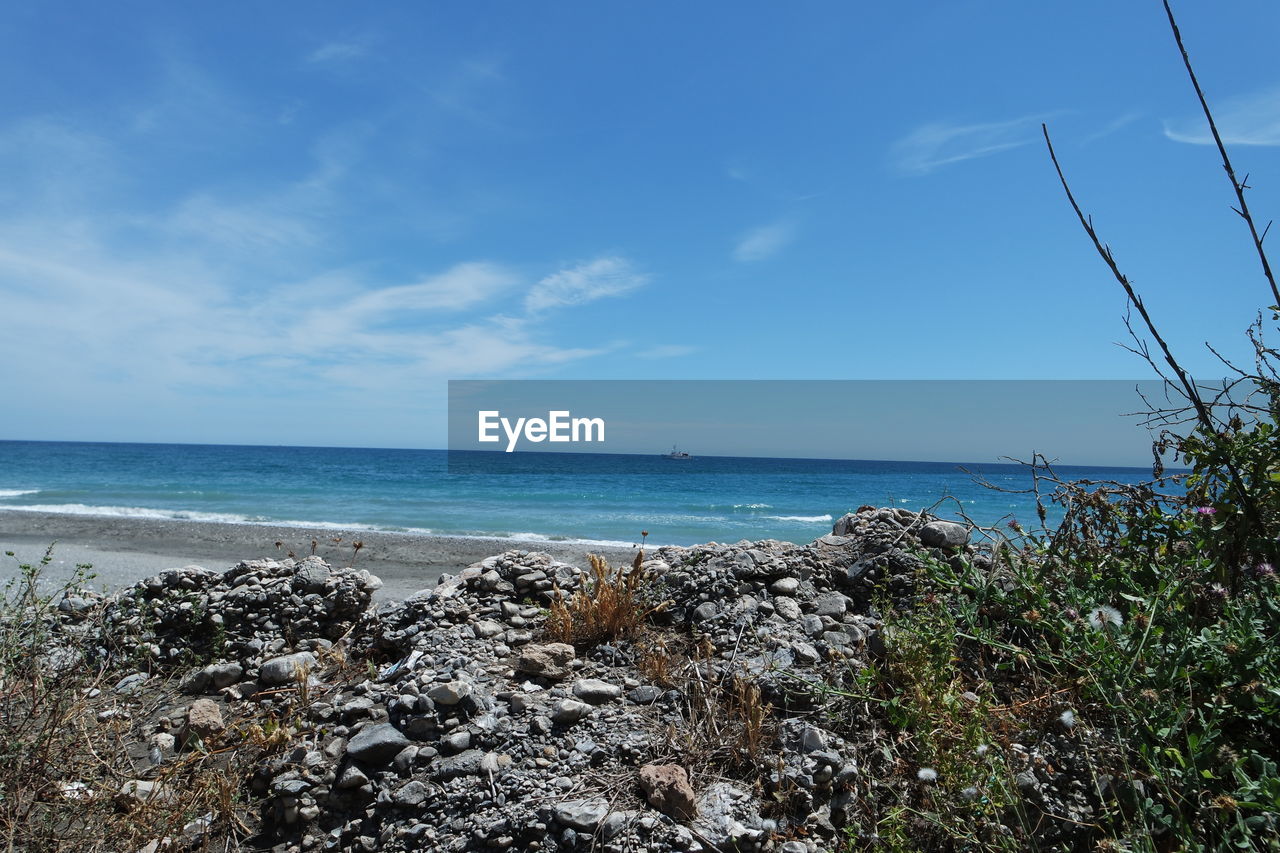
x,y
69,743
612,604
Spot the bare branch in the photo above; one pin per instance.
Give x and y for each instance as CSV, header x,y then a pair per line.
x,y
1237,185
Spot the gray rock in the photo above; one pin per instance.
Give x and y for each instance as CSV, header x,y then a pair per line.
x,y
411,794
944,534
704,611
831,604
352,777
785,586
812,739
377,744
584,815
787,608
568,711
455,741
131,683
463,764
727,817
450,693
645,694
311,574
844,525
486,628
224,674
595,691
286,669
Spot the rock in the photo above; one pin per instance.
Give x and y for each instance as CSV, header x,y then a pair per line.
x,y
131,684
466,763
411,794
450,693
567,712
595,691
645,694
224,674
667,788
831,604
486,628
584,815
352,777
311,574
787,608
704,611
376,744
455,742
204,719
812,739
138,792
550,660
785,586
195,682
286,669
944,534
727,817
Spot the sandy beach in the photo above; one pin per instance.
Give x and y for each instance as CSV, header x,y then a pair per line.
x,y
124,550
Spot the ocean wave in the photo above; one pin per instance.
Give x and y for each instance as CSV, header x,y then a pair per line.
x,y
805,519
236,518
752,506
563,540
136,512
16,493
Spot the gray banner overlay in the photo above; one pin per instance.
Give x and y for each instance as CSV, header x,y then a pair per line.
x,y
1077,422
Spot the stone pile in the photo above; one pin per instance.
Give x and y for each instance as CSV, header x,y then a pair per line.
x,y
450,721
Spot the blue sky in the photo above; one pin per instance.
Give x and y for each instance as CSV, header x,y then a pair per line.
x,y
291,223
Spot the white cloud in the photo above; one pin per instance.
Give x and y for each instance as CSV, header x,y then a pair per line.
x,y
1250,119
937,144
462,286
585,282
763,242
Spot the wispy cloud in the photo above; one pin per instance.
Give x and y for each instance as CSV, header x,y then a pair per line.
x,y
1113,126
585,282
1249,119
938,144
340,51
463,286
763,242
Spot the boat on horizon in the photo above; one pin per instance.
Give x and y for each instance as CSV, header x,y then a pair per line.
x,y
676,453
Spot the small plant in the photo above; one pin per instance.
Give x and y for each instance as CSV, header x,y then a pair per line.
x,y
611,604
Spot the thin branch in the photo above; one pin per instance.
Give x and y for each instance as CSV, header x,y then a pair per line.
x,y
1237,185
1188,387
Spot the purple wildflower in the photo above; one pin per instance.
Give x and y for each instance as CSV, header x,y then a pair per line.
x,y
1264,570
1206,510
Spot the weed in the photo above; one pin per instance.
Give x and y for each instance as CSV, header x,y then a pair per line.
x,y
610,605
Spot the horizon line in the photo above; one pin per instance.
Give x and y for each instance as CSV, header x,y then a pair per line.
x,y
498,453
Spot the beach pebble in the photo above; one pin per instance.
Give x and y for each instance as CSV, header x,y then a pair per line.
x,y
377,743
595,691
286,669
944,534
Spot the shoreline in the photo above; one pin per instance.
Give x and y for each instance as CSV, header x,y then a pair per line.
x,y
125,550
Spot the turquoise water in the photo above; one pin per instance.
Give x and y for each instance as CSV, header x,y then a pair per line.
x,y
602,498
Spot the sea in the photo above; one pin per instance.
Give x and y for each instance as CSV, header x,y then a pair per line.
x,y
594,498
